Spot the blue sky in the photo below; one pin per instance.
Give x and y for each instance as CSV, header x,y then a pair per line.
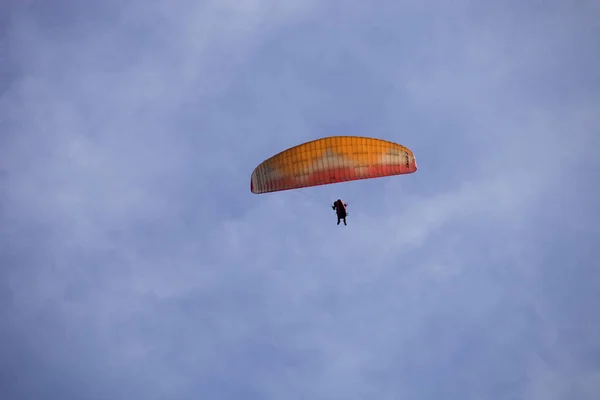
x,y
135,262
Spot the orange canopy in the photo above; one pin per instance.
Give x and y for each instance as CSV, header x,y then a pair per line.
x,y
331,160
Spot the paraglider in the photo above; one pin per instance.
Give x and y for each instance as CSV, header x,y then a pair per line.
x,y
330,160
340,210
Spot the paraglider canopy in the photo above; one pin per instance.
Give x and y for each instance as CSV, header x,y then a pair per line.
x,y
331,160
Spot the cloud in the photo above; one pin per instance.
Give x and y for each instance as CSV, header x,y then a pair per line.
x,y
135,261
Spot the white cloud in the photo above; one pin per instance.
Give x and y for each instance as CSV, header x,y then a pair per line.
x,y
133,235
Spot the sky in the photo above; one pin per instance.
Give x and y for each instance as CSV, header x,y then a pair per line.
x,y
136,263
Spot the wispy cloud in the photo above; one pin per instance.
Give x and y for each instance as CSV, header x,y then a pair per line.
x,y
136,263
